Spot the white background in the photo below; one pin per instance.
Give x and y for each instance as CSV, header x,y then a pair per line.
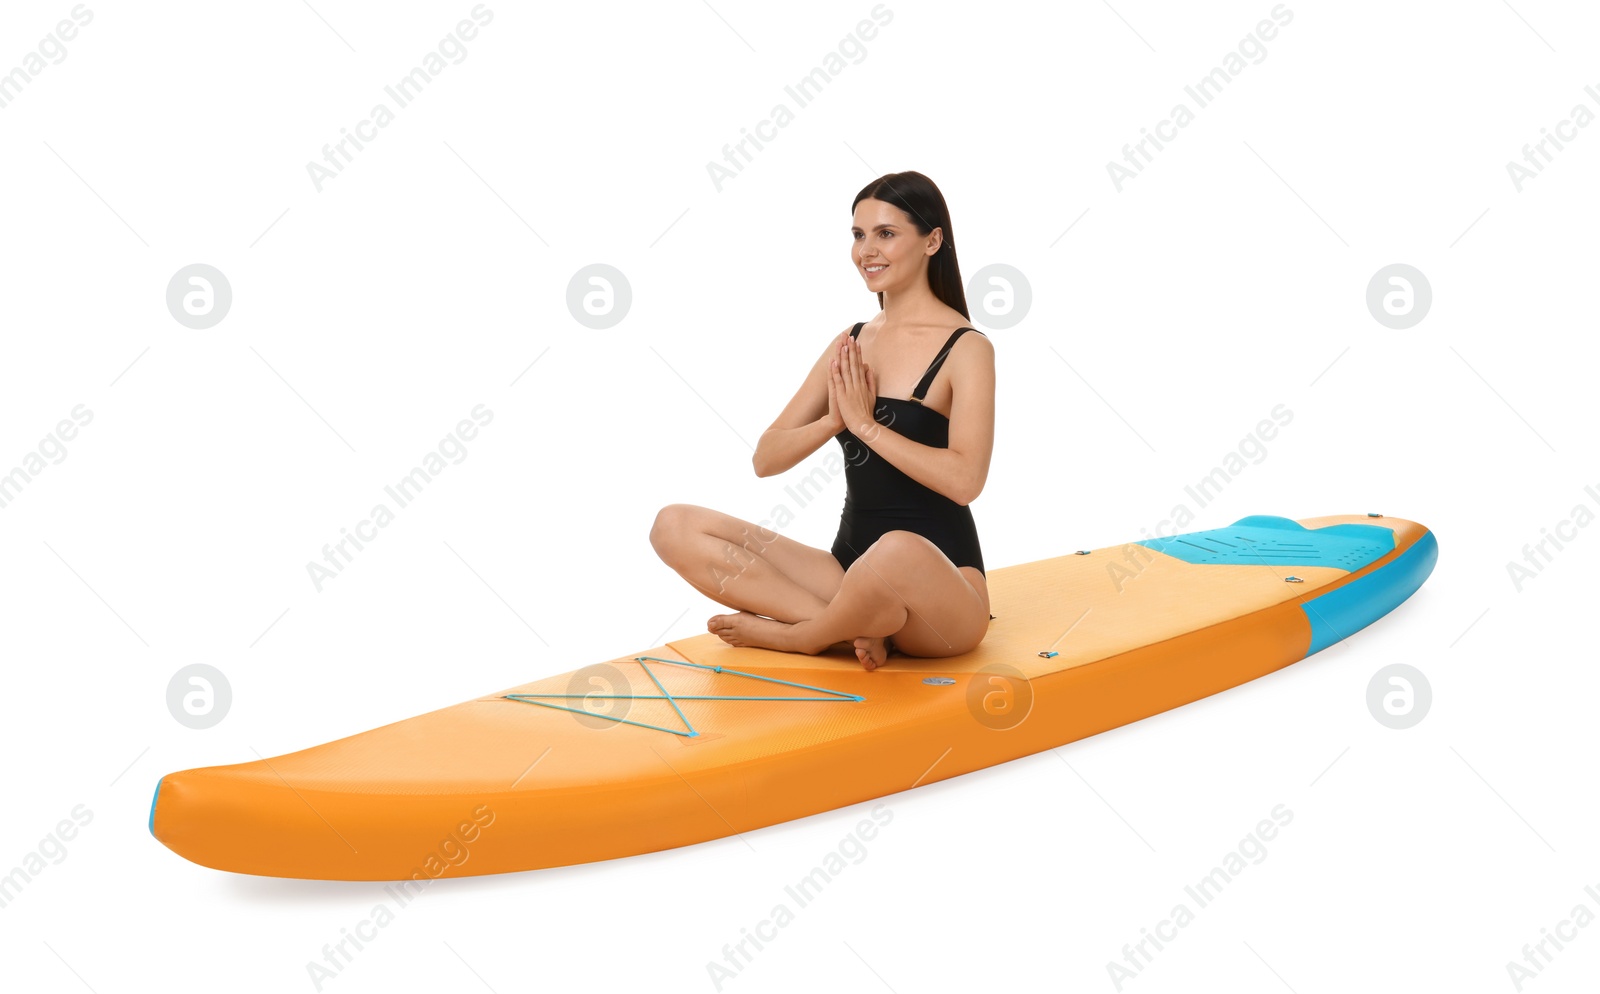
x,y
370,317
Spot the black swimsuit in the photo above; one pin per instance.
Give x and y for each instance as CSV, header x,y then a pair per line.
x,y
880,498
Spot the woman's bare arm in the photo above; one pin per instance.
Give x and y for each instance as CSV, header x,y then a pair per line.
x,y
958,472
804,425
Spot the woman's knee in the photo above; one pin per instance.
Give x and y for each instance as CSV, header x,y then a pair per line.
x,y
889,562
900,548
673,523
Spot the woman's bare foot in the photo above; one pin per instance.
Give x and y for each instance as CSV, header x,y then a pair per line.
x,y
872,652
746,629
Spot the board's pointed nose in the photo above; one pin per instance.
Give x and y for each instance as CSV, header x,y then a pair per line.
x,y
191,808
247,818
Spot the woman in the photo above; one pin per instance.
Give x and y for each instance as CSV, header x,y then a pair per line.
x,y
905,571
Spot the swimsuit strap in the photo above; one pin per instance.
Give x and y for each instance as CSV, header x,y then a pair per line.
x,y
938,360
933,367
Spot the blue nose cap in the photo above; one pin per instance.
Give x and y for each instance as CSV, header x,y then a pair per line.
x,y
153,799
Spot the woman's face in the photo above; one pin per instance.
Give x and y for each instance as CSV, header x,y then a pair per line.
x,y
886,248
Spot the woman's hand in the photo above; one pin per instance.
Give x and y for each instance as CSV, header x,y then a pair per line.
x,y
853,391
834,419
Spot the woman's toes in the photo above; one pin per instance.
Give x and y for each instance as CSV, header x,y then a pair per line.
x,y
872,652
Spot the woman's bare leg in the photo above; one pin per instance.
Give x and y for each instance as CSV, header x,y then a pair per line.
x,y
902,587
744,566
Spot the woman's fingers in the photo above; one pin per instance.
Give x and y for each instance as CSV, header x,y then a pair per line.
x,y
853,386
841,393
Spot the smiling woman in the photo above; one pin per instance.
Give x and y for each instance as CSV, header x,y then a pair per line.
x,y
911,402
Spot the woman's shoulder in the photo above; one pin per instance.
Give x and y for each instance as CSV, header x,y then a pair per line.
x,y
978,342
962,323
972,354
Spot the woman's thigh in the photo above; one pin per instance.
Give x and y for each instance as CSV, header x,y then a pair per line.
x,y
813,569
947,611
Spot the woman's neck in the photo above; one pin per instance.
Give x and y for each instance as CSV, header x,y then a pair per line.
x,y
915,305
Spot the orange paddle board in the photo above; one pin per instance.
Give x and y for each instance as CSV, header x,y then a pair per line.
x,y
696,740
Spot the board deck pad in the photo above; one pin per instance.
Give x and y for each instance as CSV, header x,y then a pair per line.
x,y
698,740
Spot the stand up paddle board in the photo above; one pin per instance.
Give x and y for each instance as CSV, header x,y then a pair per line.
x,y
696,739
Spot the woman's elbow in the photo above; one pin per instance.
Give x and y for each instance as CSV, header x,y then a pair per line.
x,y
761,462
758,460
968,490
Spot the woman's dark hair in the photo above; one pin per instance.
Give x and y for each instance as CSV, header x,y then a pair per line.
x,y
915,194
